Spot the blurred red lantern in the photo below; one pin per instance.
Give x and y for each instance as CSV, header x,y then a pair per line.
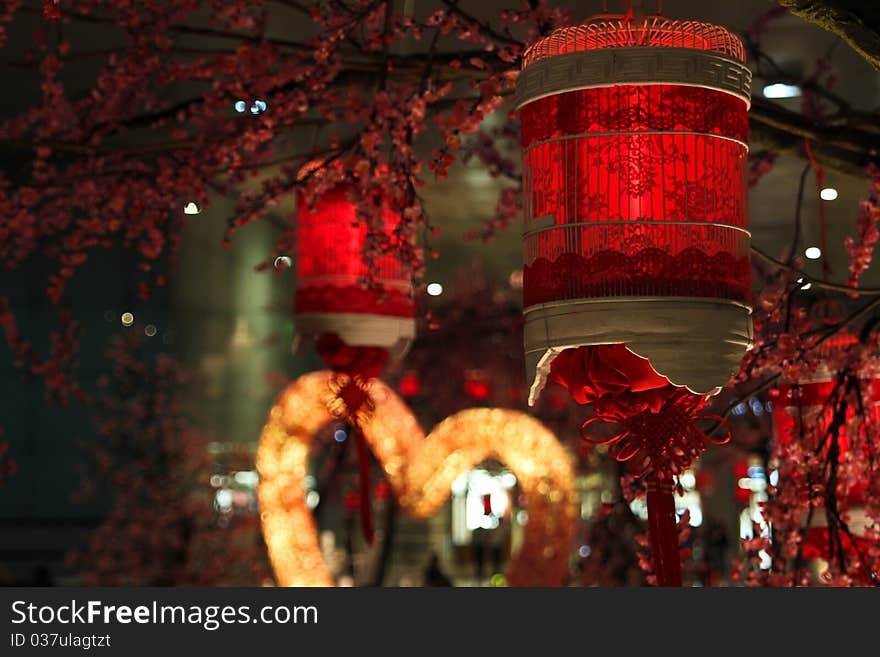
x,y
410,384
637,280
477,385
357,329
805,410
742,493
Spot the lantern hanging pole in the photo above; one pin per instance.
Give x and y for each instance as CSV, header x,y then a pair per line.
x,y
637,7
663,531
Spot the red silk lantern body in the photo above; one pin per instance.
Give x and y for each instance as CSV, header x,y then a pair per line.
x,y
634,137
356,329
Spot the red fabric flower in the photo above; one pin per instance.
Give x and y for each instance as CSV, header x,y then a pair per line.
x,y
363,362
616,381
658,432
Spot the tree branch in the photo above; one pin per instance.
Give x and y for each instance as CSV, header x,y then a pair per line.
x,y
484,28
838,147
836,287
855,21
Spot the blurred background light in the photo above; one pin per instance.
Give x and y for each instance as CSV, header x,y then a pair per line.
x,y
780,90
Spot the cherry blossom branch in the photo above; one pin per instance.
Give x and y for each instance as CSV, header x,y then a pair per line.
x,y
482,26
799,204
842,148
826,334
181,29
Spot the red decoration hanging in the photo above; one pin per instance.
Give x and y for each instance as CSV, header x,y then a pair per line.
x,y
636,279
364,361
658,433
357,328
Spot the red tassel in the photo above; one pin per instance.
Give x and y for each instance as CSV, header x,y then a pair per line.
x,y
663,531
366,500
487,505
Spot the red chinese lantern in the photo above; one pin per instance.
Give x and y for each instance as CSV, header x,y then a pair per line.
x,y
356,328
637,281
805,410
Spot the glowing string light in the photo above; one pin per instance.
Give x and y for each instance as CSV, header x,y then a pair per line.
x,y
421,470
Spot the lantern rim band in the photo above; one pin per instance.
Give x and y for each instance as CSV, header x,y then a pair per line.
x,y
628,133
360,329
658,328
520,103
638,65
528,231
659,299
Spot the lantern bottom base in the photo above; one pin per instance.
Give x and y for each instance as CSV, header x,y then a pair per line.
x,y
360,330
694,342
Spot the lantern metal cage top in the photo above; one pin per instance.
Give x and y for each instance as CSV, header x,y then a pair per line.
x,y
623,32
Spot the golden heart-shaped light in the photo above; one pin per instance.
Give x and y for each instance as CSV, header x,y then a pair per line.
x,y
419,469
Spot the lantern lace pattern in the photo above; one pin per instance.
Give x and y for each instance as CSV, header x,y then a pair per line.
x,y
649,172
